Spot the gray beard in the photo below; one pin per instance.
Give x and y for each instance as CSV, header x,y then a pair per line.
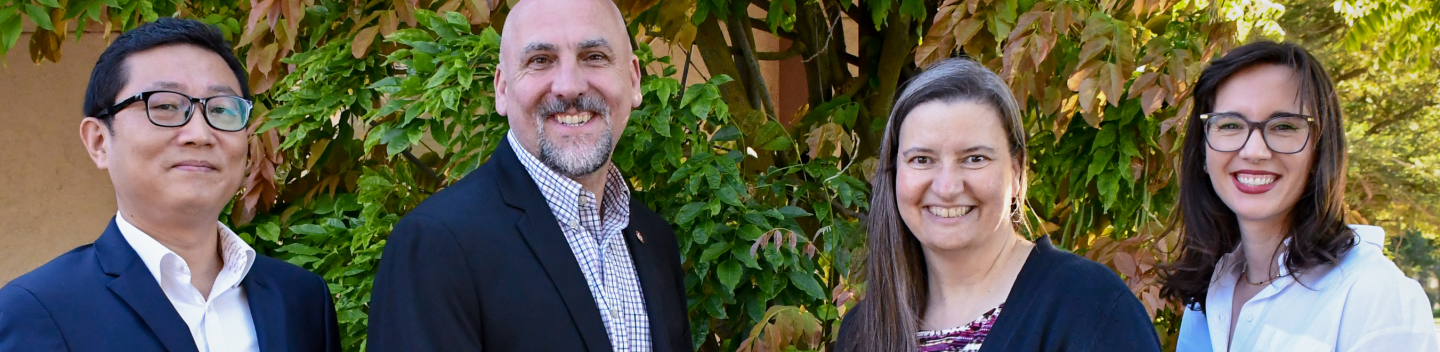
x,y
580,160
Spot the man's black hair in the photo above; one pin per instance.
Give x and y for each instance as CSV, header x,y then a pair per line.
x,y
110,73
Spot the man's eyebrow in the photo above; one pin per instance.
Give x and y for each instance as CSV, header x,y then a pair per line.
x,y
533,47
595,43
176,86
166,85
222,89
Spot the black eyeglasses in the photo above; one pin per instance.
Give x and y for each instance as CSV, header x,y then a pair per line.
x,y
1284,134
172,109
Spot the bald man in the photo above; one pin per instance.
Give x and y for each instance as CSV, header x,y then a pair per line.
x,y
542,248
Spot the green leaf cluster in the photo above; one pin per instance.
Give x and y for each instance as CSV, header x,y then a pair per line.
x,y
749,240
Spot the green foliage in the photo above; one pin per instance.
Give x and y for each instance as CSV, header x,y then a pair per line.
x,y
1389,96
1417,23
52,17
346,121
742,240
767,203
350,125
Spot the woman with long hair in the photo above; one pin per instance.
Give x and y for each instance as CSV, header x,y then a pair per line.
x,y
1267,262
948,269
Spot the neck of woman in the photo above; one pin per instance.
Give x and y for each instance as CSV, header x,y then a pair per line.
x,y
1260,242
971,280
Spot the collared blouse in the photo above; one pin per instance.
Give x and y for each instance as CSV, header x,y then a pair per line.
x,y
1361,303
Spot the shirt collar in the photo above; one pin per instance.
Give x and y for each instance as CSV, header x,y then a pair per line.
x,y
1228,270
1371,235
237,256
563,193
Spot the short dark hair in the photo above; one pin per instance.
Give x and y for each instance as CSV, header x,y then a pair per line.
x,y
110,74
1208,228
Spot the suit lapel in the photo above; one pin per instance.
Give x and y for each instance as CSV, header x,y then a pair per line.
x,y
267,310
546,240
140,290
651,283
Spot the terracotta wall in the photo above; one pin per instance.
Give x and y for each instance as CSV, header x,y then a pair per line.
x,y
52,198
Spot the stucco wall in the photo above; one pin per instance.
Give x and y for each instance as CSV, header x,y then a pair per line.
x,y
52,198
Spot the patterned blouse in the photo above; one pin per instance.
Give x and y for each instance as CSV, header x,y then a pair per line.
x,y
964,338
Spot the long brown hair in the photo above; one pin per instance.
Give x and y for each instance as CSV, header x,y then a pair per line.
x,y
1209,229
896,288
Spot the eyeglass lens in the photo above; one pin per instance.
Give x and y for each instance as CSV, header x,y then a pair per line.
x,y
172,109
1286,134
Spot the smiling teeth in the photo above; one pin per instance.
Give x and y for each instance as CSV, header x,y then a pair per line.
x,y
1255,180
954,212
572,119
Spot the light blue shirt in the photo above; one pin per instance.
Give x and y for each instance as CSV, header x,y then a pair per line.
x,y
1362,303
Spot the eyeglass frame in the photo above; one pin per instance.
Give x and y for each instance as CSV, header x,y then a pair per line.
x,y
1250,129
204,102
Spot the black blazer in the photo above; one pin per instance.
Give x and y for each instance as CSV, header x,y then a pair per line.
x,y
101,297
1060,302
483,266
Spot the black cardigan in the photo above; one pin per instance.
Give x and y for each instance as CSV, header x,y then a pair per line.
x,y
1060,302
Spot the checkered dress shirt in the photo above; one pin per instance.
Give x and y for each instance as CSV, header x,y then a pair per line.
x,y
599,246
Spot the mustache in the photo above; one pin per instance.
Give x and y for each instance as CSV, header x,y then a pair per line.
x,y
586,103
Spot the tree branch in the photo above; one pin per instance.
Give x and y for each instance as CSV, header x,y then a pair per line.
x,y
862,20
852,86
739,29
897,46
834,204
439,183
1396,118
849,59
715,53
794,50
761,25
1351,74
763,4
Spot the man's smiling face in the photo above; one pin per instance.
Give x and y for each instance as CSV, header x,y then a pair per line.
x,y
567,81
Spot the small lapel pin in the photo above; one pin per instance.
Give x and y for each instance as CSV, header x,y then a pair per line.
x,y
639,237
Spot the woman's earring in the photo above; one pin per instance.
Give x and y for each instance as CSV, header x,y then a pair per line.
x,y
1015,210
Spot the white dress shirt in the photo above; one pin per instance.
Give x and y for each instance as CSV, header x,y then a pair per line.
x,y
219,323
1362,303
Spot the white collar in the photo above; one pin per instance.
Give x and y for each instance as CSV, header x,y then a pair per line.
x,y
1230,263
236,255
1367,234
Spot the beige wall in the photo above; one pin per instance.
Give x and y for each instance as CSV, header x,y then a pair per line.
x,y
52,198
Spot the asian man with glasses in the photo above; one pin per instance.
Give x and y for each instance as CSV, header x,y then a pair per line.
x,y
165,275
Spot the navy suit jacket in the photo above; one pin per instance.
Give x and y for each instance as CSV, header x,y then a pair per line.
x,y
484,266
101,297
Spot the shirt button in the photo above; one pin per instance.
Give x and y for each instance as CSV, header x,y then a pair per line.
x,y
1250,317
